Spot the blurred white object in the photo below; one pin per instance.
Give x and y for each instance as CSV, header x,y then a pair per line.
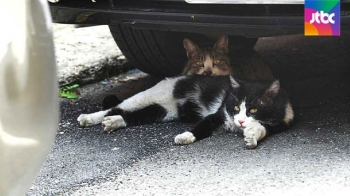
x,y
28,93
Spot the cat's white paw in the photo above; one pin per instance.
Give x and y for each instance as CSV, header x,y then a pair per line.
x,y
111,123
252,135
86,120
185,138
250,142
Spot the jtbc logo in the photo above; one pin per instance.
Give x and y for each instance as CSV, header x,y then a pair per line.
x,y
324,17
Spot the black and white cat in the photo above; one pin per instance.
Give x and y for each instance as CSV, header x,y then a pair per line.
x,y
257,109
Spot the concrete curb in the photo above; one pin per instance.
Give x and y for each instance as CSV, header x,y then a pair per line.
x,y
85,55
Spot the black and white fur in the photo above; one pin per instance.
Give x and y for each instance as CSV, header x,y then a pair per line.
x,y
214,103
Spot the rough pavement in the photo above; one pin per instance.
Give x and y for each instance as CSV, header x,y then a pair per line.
x,y
312,158
85,55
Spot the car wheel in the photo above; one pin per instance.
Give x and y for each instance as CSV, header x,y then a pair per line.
x,y
162,53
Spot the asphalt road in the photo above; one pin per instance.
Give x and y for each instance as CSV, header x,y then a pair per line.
x,y
312,158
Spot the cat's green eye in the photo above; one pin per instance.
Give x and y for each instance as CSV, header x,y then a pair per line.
x,y
236,108
200,63
252,111
217,62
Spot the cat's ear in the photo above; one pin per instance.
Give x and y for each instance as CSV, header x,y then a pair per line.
x,y
270,93
274,88
222,44
191,48
234,83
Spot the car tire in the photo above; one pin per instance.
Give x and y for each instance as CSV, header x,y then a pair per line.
x,y
161,53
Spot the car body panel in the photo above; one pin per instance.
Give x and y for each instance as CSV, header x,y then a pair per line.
x,y
241,20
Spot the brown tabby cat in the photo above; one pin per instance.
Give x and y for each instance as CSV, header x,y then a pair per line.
x,y
208,61
215,61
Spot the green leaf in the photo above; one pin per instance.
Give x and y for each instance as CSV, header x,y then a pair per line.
x,y
72,96
67,93
70,87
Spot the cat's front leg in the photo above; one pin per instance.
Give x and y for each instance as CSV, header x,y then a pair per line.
x,y
86,120
202,130
253,134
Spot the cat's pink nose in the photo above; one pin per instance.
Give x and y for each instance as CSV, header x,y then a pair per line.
x,y
241,122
